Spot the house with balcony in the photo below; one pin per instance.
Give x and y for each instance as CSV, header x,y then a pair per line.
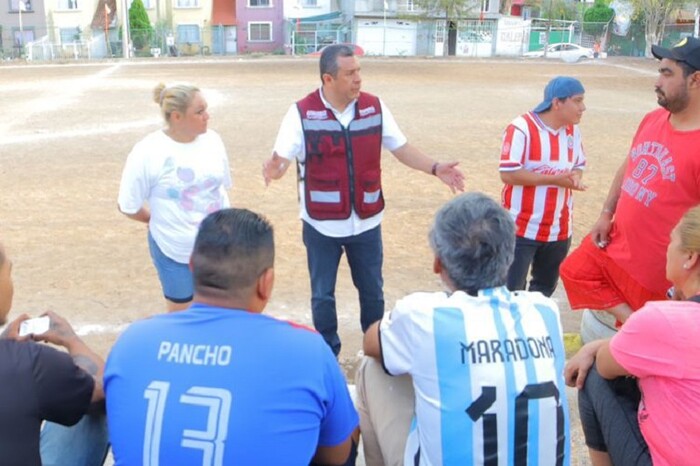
x,y
21,23
68,20
180,27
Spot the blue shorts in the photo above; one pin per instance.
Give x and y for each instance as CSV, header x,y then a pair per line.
x,y
175,278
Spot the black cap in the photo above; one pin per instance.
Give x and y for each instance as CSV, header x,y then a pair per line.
x,y
686,51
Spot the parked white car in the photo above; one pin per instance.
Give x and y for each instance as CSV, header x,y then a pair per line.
x,y
565,51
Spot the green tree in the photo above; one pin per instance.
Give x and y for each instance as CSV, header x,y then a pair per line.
x,y
597,17
140,27
655,13
560,10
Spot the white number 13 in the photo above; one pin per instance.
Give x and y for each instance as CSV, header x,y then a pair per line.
x,y
210,441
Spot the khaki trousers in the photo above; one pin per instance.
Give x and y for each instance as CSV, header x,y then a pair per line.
x,y
386,405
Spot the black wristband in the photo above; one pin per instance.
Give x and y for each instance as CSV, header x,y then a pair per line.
x,y
433,170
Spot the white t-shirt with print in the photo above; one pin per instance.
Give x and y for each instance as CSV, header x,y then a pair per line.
x,y
181,182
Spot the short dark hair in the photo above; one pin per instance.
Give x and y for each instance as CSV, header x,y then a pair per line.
x,y
474,238
329,58
233,248
687,68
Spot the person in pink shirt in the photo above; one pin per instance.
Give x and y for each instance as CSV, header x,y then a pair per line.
x,y
639,392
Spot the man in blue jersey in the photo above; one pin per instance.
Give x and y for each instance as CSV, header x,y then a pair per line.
x,y
220,383
485,364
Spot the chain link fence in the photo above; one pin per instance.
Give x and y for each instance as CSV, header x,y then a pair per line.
x,y
39,44
471,38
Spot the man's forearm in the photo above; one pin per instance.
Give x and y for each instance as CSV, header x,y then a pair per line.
x,y
615,189
90,362
413,157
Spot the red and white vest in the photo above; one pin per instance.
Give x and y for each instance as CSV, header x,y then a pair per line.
x,y
342,169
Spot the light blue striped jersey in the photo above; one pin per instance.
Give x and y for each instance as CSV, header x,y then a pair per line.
x,y
488,376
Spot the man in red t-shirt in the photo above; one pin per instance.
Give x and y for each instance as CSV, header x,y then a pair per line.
x,y
619,266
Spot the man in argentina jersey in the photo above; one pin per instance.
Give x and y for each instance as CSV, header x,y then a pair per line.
x,y
221,383
542,162
486,364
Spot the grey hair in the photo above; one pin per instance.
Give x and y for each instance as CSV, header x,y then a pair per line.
x,y
329,58
474,239
174,98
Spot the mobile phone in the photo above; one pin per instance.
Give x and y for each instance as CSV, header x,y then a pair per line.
x,y
34,326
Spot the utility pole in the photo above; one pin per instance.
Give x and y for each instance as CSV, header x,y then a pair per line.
x,y
549,29
384,31
21,7
108,52
125,29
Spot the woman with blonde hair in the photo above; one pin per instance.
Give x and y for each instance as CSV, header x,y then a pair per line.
x,y
172,179
639,392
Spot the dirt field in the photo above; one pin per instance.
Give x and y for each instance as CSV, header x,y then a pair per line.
x,y
66,130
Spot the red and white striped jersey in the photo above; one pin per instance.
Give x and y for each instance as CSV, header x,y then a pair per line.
x,y
541,213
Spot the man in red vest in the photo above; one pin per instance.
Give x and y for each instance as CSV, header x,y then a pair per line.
x,y
335,134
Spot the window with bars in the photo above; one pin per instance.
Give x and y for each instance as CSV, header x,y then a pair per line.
x,y
67,4
260,32
26,36
258,3
14,5
188,34
69,35
187,3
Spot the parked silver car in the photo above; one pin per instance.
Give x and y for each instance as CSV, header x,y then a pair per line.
x,y
565,51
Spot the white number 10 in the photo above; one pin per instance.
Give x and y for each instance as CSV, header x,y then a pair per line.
x,y
210,441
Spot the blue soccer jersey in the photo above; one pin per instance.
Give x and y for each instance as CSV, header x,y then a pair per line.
x,y
212,386
488,377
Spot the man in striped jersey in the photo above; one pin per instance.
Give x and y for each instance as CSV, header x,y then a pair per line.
x,y
485,364
541,164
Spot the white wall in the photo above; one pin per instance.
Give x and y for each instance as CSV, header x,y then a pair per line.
x,y
395,38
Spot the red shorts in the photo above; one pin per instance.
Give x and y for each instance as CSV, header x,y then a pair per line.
x,y
594,281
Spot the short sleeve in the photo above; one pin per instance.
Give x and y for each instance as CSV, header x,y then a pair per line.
x,y
512,149
395,333
64,390
642,345
579,153
392,136
290,138
341,417
227,182
135,186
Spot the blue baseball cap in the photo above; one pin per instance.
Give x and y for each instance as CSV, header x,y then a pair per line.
x,y
560,87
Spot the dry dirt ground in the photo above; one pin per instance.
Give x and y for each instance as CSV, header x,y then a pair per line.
x,y
65,132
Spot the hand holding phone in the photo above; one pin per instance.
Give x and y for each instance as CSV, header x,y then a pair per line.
x,y
35,326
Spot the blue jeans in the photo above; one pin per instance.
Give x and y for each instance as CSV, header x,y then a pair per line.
x,y
84,444
545,259
175,277
365,257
